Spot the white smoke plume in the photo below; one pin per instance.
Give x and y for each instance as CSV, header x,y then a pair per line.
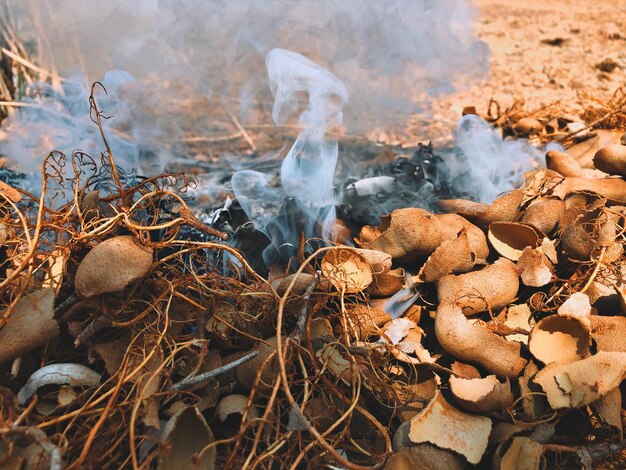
x,y
308,169
185,55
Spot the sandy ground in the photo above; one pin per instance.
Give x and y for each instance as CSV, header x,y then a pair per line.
x,y
545,51
542,52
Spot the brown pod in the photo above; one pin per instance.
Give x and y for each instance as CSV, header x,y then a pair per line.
x,y
544,214
481,395
510,238
534,267
451,226
503,209
613,189
248,371
494,286
560,339
527,126
451,257
577,243
563,163
463,207
611,160
406,234
112,265
473,343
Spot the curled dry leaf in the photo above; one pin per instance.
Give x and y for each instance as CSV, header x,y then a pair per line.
x,y
30,325
534,268
544,214
475,344
75,375
609,333
563,163
112,265
510,238
185,435
482,395
611,159
444,426
405,234
579,383
451,257
560,339
494,286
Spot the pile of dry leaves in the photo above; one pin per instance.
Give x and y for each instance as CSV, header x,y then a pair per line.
x,y
133,335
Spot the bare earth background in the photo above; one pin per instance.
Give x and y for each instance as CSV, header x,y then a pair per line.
x,y
546,51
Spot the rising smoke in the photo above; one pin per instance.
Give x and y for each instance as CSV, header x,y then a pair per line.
x,y
180,56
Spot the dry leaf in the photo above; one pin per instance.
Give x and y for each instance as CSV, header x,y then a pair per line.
x,y
444,426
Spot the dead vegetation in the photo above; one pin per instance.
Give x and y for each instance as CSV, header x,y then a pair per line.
x,y
133,335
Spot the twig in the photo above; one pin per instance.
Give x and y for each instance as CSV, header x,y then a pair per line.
x,y
195,380
242,130
594,123
30,65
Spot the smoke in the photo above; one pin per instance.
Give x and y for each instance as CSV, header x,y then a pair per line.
x,y
485,165
190,59
308,169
